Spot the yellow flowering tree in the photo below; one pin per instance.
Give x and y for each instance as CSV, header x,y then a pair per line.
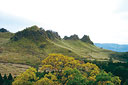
x,y
58,69
26,78
56,62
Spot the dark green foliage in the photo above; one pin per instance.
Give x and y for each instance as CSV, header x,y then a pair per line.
x,y
102,76
77,79
41,74
10,77
43,45
3,30
86,39
1,79
6,80
117,69
5,77
66,38
120,55
126,82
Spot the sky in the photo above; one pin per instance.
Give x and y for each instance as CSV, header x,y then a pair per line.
x,y
105,21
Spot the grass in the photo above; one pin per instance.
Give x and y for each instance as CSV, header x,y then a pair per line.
x,y
83,49
26,51
15,69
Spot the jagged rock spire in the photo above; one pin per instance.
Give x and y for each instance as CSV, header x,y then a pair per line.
x,y
52,35
86,39
72,37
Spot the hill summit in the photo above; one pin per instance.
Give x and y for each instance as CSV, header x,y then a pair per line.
x,y
36,34
85,38
72,37
3,30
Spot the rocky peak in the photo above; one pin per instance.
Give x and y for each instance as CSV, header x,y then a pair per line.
x,y
72,37
3,30
52,35
36,34
33,33
86,39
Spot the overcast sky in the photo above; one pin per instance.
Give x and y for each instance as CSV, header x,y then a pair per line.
x,y
105,21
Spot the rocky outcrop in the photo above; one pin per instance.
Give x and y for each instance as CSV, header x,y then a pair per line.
x,y
36,34
86,39
72,37
52,35
32,33
3,30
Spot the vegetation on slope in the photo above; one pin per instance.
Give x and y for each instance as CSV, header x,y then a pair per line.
x,y
62,70
34,43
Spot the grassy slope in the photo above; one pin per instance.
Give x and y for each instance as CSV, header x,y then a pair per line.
x,y
84,49
27,52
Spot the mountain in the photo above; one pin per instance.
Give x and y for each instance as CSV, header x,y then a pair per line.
x,y
113,47
30,46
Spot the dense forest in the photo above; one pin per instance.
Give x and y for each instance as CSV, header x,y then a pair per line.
x,y
118,69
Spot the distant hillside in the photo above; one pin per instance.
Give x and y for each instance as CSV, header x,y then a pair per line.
x,y
113,47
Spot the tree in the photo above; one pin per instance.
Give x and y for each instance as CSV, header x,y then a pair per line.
x,y
10,79
49,79
91,70
107,78
5,77
116,80
5,80
58,69
1,79
26,78
56,62
73,77
44,81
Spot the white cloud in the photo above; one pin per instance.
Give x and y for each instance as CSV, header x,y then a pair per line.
x,y
97,18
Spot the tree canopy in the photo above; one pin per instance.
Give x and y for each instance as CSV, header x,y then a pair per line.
x,y
58,69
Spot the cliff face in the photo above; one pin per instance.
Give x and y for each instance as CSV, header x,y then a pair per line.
x,y
86,39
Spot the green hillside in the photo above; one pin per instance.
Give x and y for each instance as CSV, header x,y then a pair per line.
x,y
31,45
